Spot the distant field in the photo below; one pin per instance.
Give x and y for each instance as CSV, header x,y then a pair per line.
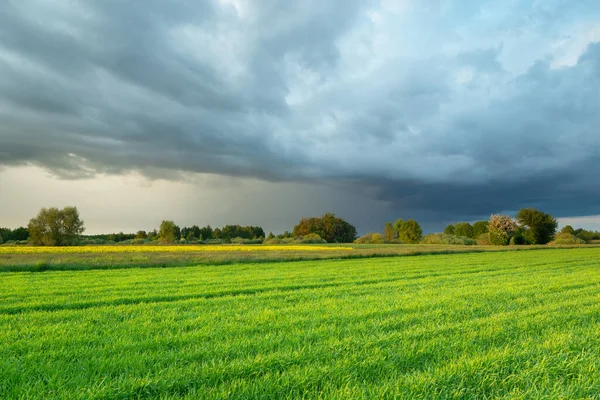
x,y
27,258
521,324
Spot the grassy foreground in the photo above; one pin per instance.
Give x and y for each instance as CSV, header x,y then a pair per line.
x,y
484,325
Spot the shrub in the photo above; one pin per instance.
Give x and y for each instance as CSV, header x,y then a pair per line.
x,y
212,241
566,238
365,239
276,240
517,240
311,238
370,238
443,238
239,240
377,238
484,239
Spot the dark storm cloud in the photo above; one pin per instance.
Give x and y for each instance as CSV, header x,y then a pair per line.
x,y
446,111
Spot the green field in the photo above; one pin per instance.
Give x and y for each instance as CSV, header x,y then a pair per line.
x,y
522,324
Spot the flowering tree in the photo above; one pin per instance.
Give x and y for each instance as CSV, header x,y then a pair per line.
x,y
501,229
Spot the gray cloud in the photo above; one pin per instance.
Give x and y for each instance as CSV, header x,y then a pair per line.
x,y
442,111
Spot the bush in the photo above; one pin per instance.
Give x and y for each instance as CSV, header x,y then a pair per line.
x,y
239,240
365,239
370,238
275,240
517,240
443,238
484,239
213,241
377,238
311,238
566,238
499,238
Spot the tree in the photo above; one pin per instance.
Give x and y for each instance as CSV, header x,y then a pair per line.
x,y
501,229
1,241
480,227
389,232
206,232
54,227
585,235
328,227
464,229
167,232
541,227
190,236
408,231
568,229
141,235
449,230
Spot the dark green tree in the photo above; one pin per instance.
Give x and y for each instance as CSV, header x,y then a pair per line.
x,y
449,230
464,229
329,227
540,226
480,227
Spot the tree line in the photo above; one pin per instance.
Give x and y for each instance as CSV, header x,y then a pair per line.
x,y
64,227
529,227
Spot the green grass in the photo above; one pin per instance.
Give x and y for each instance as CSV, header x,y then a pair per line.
x,y
484,325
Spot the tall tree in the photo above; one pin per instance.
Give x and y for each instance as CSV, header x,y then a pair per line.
x,y
54,227
541,227
167,232
389,232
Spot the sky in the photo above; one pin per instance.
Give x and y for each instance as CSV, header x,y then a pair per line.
x,y
261,112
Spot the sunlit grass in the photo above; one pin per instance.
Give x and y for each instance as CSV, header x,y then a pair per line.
x,y
486,325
